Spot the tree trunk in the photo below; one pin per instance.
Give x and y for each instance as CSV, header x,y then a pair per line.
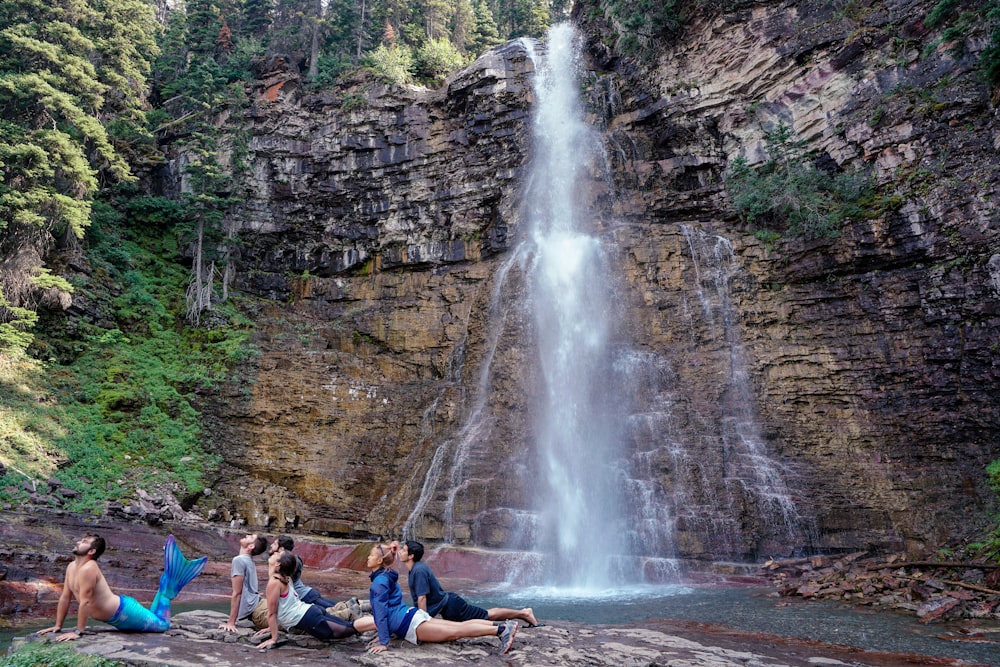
x,y
361,29
314,46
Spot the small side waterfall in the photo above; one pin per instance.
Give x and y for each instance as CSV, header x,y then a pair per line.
x,y
749,475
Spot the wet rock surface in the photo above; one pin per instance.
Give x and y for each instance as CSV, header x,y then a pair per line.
x,y
194,641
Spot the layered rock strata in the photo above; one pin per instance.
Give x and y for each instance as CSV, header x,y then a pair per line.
x,y
397,373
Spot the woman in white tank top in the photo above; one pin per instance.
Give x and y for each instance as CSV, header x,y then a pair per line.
x,y
284,608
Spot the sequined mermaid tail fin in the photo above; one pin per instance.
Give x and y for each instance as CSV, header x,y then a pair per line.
x,y
178,571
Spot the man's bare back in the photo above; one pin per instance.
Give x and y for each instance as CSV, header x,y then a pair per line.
x,y
86,581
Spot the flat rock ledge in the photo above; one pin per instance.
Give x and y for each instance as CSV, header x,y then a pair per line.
x,y
195,641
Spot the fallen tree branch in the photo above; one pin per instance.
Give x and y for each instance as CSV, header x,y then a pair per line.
x,y
960,584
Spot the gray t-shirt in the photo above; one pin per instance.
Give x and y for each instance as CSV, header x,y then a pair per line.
x,y
243,565
300,589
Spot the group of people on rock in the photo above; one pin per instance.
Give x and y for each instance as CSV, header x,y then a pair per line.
x,y
288,603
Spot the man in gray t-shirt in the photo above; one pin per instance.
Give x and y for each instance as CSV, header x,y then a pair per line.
x,y
246,602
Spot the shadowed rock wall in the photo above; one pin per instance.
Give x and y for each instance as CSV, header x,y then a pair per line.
x,y
379,226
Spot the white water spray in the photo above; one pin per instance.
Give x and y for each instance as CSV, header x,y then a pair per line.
x,y
577,430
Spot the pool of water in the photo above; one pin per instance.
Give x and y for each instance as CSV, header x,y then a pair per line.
x,y
753,609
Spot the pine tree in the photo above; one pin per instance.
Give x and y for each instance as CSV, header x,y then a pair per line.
x,y
463,25
172,61
204,23
291,32
437,16
66,68
256,18
486,35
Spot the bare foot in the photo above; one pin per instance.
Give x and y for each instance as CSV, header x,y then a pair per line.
x,y
529,616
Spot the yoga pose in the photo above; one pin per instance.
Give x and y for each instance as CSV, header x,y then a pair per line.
x,y
284,607
285,543
85,582
390,617
428,595
245,601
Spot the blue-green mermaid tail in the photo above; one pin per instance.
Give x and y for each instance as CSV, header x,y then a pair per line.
x,y
177,572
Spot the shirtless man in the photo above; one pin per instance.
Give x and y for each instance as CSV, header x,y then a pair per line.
x,y
86,583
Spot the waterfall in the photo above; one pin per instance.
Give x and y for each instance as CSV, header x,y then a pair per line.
x,y
628,460
749,474
578,432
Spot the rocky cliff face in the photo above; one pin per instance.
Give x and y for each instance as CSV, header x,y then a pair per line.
x,y
397,373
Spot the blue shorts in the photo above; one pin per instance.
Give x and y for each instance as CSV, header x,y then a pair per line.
x,y
457,609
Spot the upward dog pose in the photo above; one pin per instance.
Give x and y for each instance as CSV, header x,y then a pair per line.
x,y
390,617
85,582
285,608
428,595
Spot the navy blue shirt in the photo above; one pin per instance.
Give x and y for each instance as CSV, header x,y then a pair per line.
x,y
423,582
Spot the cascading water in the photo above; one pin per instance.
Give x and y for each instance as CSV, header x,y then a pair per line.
x,y
578,430
624,466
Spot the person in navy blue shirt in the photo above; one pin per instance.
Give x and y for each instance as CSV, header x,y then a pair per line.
x,y
391,618
428,595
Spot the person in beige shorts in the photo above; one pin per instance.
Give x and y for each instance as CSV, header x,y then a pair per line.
x,y
246,602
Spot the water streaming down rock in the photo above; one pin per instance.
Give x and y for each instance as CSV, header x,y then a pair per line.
x,y
623,468
578,432
755,506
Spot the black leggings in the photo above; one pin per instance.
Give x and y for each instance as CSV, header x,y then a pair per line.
x,y
322,625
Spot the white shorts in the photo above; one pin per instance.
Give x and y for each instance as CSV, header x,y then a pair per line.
x,y
418,617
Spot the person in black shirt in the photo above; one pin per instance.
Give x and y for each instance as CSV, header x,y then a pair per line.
x,y
428,595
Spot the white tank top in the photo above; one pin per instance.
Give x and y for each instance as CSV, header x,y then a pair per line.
x,y
291,609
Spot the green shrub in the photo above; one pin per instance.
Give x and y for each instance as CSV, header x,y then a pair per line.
x,y
788,191
329,67
246,50
939,13
955,27
15,327
391,64
437,58
34,654
641,24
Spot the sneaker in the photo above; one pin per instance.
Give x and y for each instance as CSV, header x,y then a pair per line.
x,y
507,636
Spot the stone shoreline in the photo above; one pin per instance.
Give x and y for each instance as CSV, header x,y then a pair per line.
x,y
36,550
195,641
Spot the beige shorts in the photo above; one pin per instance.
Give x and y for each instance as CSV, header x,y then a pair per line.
x,y
418,617
259,614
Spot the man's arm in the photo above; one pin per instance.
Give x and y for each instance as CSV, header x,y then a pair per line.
x,y
86,580
422,602
234,604
62,609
